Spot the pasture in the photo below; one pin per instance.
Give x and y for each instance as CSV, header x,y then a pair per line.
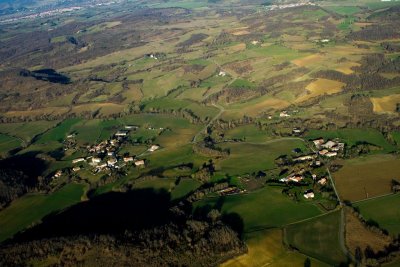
x,y
184,187
58,133
265,248
384,210
252,157
34,207
264,208
367,176
8,143
318,238
249,133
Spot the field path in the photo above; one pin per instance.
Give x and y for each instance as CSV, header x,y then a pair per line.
x,y
371,198
221,110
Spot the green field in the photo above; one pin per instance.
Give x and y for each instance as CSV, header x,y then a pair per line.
x,y
248,157
184,187
264,208
31,208
344,10
318,238
384,210
58,133
248,133
8,143
27,130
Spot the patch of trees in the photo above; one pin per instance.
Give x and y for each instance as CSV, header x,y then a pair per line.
x,y
369,257
19,175
391,47
193,39
377,32
153,232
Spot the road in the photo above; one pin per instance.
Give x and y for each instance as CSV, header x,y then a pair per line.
x,y
203,130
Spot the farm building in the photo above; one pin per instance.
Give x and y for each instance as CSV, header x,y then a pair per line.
x,y
78,160
139,163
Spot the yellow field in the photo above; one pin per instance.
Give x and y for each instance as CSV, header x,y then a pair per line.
x,y
386,104
239,31
255,107
321,87
237,48
308,60
266,249
346,67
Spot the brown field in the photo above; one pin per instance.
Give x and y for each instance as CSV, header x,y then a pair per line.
x,y
237,48
346,67
386,104
308,60
370,176
358,235
266,249
134,93
105,108
239,31
255,107
321,87
37,112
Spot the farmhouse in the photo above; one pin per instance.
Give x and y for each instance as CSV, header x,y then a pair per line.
x,y
296,131
78,160
96,160
222,73
139,163
130,127
329,144
75,169
331,154
295,178
323,152
121,133
304,158
57,174
284,114
322,181
318,142
111,162
127,159
153,148
309,194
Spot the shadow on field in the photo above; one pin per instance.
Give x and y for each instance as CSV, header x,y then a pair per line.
x,y
110,213
28,163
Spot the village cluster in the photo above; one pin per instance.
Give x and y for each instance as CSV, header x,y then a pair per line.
x,y
279,7
104,156
328,149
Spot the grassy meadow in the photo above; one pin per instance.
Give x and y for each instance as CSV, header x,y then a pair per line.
x,y
384,210
264,208
30,209
318,237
